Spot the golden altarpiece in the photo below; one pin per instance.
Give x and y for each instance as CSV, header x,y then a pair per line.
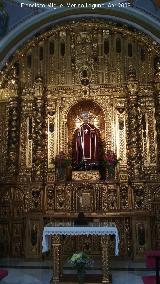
x,y
100,71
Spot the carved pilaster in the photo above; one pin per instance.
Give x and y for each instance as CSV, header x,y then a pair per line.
x,y
121,134
50,121
58,127
26,131
157,111
134,129
140,162
55,241
105,260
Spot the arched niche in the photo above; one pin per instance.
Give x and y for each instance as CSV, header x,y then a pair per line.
x,y
89,116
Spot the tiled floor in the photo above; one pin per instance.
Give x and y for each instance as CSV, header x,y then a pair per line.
x,y
39,272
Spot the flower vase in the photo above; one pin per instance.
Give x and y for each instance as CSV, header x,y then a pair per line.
x,y
80,276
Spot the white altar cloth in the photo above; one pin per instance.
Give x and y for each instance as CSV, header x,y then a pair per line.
x,y
79,230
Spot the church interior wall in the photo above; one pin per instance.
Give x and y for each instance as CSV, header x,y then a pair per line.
x,y
111,72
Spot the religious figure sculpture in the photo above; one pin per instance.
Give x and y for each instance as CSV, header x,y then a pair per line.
x,y
86,147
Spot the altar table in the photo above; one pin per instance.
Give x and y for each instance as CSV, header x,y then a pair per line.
x,y
56,232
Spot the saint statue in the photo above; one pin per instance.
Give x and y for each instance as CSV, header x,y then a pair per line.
x,y
86,144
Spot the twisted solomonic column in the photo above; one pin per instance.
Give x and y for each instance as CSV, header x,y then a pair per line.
x,y
39,128
13,126
134,140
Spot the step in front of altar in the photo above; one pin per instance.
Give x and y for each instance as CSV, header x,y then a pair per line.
x,y
72,279
85,175
91,277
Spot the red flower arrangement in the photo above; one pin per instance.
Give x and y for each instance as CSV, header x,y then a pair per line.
x,y
111,161
111,158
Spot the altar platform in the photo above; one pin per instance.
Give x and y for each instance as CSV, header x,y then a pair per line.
x,y
85,175
90,277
